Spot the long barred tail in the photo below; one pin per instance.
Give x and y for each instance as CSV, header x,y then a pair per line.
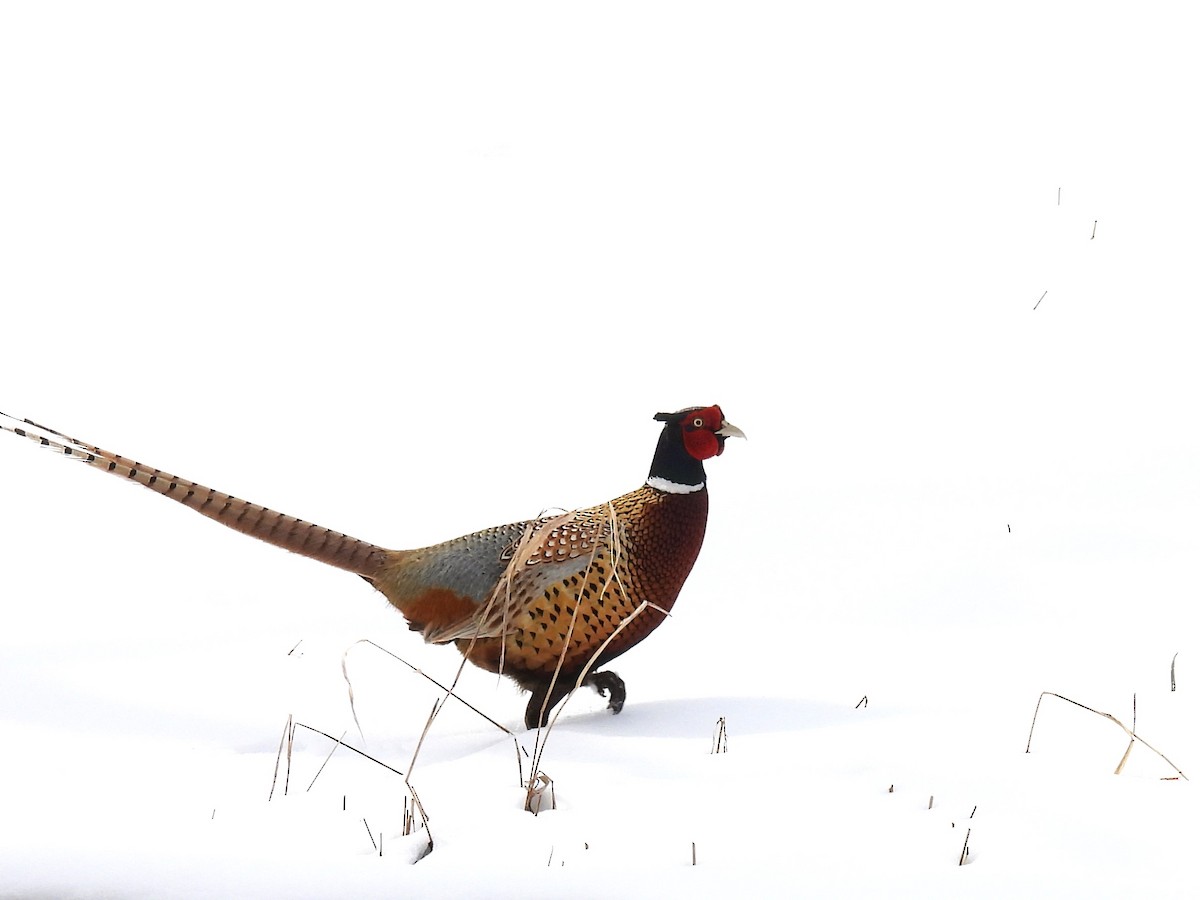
x,y
288,532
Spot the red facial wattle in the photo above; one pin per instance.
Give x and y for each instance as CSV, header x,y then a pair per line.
x,y
700,427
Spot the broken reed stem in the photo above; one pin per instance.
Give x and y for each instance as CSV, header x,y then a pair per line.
x,y
348,747
410,814
1173,658
420,808
962,857
370,834
287,776
720,738
421,740
1124,757
536,791
279,756
332,750
1129,731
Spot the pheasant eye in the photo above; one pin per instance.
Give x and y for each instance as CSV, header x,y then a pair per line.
x,y
698,422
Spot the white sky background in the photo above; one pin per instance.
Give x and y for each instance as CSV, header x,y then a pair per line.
x,y
408,270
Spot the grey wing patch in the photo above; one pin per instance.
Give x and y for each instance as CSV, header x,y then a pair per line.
x,y
470,565
545,552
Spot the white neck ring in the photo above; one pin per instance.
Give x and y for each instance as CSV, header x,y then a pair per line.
x,y
671,487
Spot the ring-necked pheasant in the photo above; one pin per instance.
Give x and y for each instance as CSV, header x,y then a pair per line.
x,y
546,602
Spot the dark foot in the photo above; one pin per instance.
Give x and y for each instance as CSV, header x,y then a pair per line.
x,y
544,699
609,684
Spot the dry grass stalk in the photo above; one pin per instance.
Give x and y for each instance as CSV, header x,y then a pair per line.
x,y
535,793
420,809
437,705
720,737
449,692
289,735
371,834
332,750
352,749
520,765
1124,757
1173,658
284,738
1129,731
291,741
962,857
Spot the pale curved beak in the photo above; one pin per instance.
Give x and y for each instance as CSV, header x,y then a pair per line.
x,y
727,430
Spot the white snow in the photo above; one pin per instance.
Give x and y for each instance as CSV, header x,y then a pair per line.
x,y
388,267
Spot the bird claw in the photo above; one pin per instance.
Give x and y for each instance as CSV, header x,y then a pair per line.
x,y
609,684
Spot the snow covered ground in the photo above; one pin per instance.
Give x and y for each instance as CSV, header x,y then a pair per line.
x,y
409,270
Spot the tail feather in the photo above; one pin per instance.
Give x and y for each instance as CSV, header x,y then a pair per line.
x,y
298,536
